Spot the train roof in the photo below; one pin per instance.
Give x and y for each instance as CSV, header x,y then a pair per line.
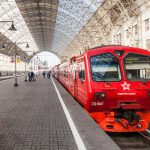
x,y
110,48
116,47
102,46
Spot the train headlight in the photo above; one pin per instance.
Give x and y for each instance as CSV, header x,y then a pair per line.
x,y
100,95
139,126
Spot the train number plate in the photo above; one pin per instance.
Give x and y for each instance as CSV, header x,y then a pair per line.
x,y
97,103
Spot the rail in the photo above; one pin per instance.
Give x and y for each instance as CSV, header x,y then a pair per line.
x,y
132,141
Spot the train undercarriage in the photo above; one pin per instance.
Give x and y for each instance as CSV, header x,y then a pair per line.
x,y
122,120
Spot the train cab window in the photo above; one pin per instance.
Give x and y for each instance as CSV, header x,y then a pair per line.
x,y
105,67
137,67
81,71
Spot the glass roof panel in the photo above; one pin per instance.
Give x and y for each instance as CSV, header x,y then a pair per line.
x,y
71,17
40,17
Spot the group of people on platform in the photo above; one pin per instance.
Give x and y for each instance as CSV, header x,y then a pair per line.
x,y
48,74
31,75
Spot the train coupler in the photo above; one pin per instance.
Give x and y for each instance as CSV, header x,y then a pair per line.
x,y
130,116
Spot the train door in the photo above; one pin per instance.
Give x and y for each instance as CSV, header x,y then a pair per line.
x,y
75,82
80,83
72,79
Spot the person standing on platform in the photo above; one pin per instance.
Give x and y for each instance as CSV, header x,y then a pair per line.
x,y
29,76
32,76
43,74
49,74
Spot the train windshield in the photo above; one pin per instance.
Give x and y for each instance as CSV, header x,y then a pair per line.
x,y
105,67
137,67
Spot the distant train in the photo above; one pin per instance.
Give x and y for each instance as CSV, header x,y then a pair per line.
x,y
112,83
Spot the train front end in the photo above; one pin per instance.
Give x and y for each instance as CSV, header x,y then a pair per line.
x,y
121,89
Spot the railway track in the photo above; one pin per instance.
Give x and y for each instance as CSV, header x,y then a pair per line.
x,y
132,141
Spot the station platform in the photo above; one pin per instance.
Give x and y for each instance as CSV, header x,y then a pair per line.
x,y
32,117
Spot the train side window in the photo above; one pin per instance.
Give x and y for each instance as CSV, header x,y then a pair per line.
x,y
81,71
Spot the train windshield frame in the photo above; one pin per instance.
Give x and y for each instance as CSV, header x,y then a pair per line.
x,y
137,67
105,67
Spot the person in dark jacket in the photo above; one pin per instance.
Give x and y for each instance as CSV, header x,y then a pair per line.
x,y
32,76
29,76
49,74
43,74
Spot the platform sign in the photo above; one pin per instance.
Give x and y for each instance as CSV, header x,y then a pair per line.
x,y
12,59
18,60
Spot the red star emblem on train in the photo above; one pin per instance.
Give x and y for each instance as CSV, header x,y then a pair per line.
x,y
126,86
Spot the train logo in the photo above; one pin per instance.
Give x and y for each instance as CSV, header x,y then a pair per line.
x,y
125,86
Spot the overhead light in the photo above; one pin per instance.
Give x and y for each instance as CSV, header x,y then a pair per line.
x,y
12,28
3,46
27,46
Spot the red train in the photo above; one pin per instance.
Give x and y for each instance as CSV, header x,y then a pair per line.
x,y
112,83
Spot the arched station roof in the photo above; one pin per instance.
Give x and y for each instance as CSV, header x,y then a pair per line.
x,y
47,25
63,26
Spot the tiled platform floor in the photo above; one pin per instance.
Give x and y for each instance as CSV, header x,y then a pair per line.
x,y
31,117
